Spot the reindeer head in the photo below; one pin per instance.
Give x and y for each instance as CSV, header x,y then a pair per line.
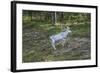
x,y
67,29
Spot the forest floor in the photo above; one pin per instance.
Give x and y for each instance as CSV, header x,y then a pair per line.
x,y
37,47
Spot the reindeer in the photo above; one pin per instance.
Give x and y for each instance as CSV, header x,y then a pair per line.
x,y
60,37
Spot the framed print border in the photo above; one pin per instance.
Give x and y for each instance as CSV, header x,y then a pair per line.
x,y
14,34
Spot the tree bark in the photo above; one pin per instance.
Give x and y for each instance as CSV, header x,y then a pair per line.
x,y
54,18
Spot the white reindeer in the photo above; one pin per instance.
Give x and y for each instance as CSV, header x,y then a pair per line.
x,y
60,37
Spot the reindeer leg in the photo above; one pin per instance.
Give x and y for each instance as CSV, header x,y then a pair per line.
x,y
63,42
53,45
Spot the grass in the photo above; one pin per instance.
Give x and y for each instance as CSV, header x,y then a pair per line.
x,y
80,30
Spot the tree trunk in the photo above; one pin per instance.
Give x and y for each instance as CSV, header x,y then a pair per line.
x,y
54,18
